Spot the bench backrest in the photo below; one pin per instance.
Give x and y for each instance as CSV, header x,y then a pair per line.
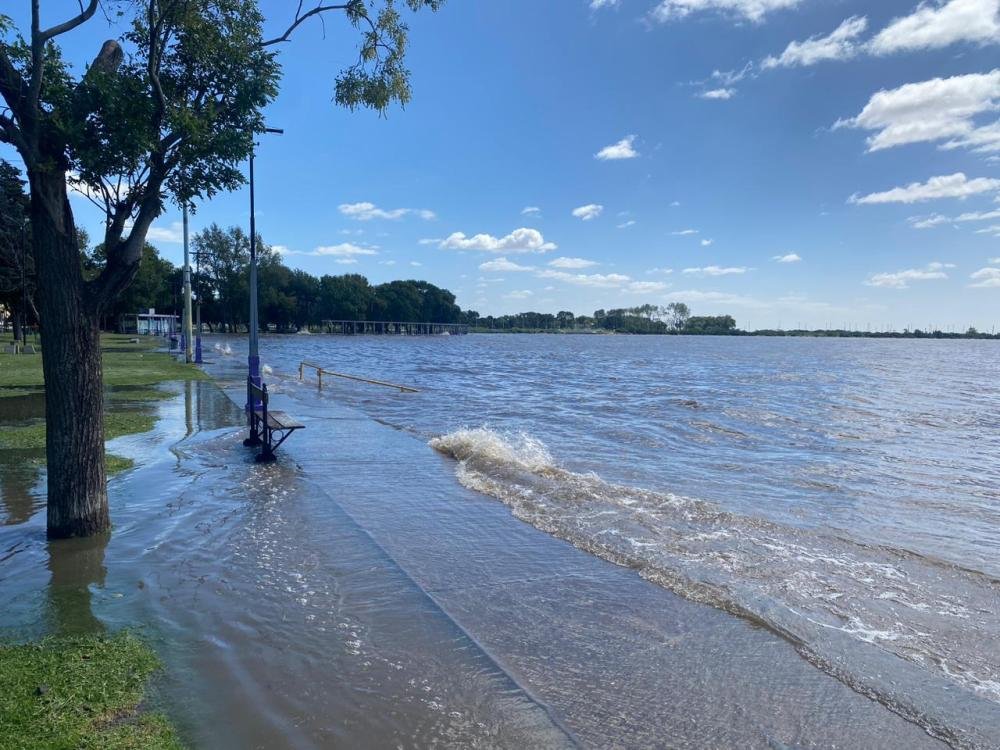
x,y
256,393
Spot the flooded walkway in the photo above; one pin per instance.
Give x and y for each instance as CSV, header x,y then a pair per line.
x,y
353,594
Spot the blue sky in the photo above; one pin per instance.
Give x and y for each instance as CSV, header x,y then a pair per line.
x,y
786,161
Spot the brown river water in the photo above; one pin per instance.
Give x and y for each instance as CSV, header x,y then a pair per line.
x,y
356,594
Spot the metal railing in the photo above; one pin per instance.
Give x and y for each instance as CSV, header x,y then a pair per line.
x,y
321,371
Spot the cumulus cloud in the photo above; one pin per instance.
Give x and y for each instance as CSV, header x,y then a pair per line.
x,y
588,212
607,280
646,287
902,279
624,149
788,258
523,240
344,250
599,4
716,270
366,211
571,263
173,234
932,111
933,25
840,44
519,294
986,278
927,222
502,264
706,243
751,10
946,186
718,94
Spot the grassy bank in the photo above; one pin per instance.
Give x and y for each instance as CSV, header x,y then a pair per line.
x,y
130,371
81,692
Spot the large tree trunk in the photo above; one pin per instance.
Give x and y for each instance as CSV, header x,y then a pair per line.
x,y
71,362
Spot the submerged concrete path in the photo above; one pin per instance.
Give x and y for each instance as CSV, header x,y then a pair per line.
x,y
353,594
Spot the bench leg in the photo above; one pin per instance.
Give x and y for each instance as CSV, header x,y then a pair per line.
x,y
254,440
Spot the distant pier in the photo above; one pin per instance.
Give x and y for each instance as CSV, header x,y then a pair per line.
x,y
385,328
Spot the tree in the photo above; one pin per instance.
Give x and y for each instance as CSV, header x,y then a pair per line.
x,y
173,119
16,262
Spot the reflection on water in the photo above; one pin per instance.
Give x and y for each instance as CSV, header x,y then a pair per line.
x,y
76,565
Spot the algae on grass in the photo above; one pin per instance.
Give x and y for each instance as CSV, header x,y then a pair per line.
x,y
80,692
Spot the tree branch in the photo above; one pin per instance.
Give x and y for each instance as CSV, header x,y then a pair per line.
x,y
300,18
85,15
12,86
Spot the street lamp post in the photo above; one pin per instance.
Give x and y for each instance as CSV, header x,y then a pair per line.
x,y
197,333
24,284
186,320
253,360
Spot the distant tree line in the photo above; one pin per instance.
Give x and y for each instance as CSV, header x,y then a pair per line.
x,y
289,299
674,318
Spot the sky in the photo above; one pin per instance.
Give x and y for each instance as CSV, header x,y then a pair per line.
x,y
793,163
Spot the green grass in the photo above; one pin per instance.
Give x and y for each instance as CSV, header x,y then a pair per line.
x,y
116,423
125,364
80,693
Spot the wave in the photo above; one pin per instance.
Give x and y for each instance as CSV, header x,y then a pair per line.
x,y
902,629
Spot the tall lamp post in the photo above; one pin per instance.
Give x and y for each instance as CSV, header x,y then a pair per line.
x,y
186,320
253,360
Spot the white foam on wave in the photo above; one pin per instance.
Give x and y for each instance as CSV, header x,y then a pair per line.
x,y
802,583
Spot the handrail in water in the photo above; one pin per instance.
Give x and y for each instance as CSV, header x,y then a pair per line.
x,y
321,371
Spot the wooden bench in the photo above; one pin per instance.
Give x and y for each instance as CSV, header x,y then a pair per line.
x,y
266,424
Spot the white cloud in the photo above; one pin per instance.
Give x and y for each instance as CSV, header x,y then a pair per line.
x,y
523,240
346,261
344,250
716,270
646,287
627,224
927,222
387,262
502,264
721,93
588,212
416,263
608,280
994,230
994,261
934,25
706,243
675,204
598,4
571,263
788,258
934,110
946,186
664,271
531,211
624,149
684,232
430,241
838,45
901,279
366,211
172,234
751,10
986,278
519,294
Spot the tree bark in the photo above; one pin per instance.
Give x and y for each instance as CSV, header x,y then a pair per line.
x,y
71,362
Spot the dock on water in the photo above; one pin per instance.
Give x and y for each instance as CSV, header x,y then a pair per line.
x,y
387,328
